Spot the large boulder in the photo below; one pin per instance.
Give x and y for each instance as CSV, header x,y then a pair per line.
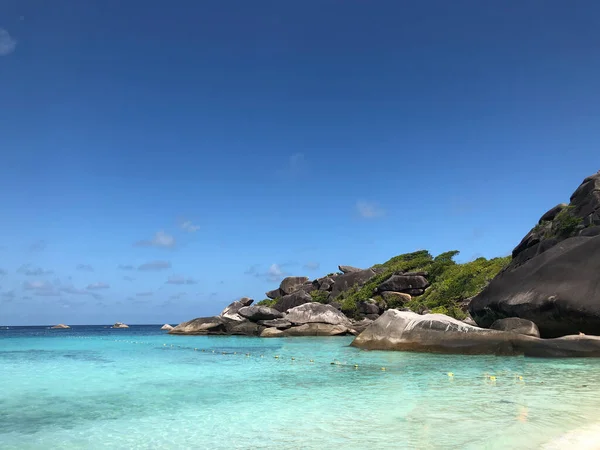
x,y
395,298
403,283
202,325
349,280
558,290
515,325
291,301
290,285
281,324
348,269
245,328
275,293
317,329
368,307
167,327
258,312
120,325
316,313
61,326
232,310
436,333
325,283
271,332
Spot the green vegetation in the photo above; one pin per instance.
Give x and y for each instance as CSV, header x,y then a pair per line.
x,y
565,224
319,296
268,302
450,282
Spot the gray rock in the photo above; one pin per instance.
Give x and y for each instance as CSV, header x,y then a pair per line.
x,y
271,332
308,287
436,333
403,283
231,311
245,328
290,285
246,301
61,326
557,290
516,325
202,325
395,298
316,313
291,301
258,312
166,326
590,232
351,279
368,307
275,293
551,214
361,325
317,329
325,283
372,316
336,305
348,269
282,324
120,325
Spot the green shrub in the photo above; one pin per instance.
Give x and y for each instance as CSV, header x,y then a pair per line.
x,y
319,296
268,302
565,224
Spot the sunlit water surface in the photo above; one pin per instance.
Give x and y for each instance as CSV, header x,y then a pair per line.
x,y
95,387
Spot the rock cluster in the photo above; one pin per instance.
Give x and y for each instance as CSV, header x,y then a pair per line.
x,y
120,325
307,319
61,326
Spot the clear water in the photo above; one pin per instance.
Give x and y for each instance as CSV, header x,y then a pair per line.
x,y
94,387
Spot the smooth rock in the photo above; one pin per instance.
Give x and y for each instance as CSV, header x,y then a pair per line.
x,y
316,313
246,301
360,325
437,333
166,326
258,312
349,280
317,329
120,325
516,325
368,307
372,316
290,285
202,325
291,301
271,332
281,324
61,326
348,269
394,299
325,283
557,290
403,283
231,311
275,293
552,212
245,328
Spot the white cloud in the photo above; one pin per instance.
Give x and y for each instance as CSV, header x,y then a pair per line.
x,y
96,286
28,270
178,279
155,265
275,273
160,239
85,267
41,287
7,43
368,210
125,267
188,226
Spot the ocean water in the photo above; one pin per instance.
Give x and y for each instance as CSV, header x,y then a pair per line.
x,y
95,387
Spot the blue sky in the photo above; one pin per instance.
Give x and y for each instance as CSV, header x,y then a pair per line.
x,y
160,159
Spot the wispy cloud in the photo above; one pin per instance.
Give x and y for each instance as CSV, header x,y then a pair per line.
x,y
7,43
178,279
274,273
41,287
85,267
160,239
29,270
294,166
128,278
155,265
177,296
125,267
144,294
312,265
76,291
188,226
8,296
38,246
97,286
369,210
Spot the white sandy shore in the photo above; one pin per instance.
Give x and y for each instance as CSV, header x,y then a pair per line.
x,y
584,438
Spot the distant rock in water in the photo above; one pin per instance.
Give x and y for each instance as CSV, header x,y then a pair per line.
x,y
166,326
437,333
60,326
120,325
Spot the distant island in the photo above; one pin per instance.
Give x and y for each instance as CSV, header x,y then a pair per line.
x,y
543,300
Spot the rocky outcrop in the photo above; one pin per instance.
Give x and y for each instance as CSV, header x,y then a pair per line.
x,y
291,301
436,333
275,293
166,326
245,328
316,313
413,284
349,280
271,332
562,222
348,269
232,310
290,285
60,326
558,290
203,325
120,325
516,325
257,312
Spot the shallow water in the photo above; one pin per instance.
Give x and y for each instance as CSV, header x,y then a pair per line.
x,y
95,387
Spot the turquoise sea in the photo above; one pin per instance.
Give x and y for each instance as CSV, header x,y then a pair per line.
x,y
96,387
